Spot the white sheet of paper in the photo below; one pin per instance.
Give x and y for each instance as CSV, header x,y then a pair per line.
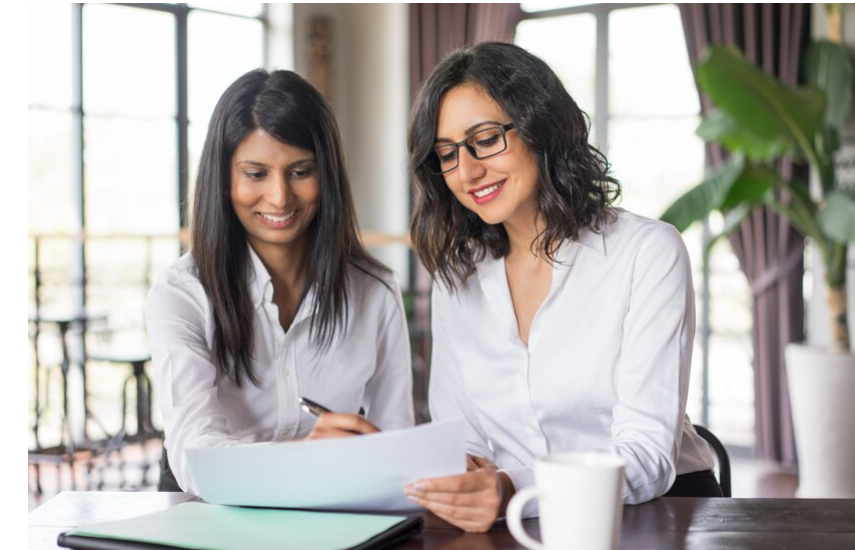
x,y
366,472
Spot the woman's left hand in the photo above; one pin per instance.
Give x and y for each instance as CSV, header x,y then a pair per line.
x,y
471,501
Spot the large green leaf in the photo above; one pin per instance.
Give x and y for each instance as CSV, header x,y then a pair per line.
x,y
707,196
719,127
755,184
827,66
837,216
759,102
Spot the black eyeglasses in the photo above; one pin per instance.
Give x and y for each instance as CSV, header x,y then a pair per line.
x,y
481,145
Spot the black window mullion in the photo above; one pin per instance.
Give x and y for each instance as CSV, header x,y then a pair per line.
x,y
182,140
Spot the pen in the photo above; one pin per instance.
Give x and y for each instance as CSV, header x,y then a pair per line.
x,y
313,408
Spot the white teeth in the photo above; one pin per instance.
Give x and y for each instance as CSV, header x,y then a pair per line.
x,y
278,219
487,191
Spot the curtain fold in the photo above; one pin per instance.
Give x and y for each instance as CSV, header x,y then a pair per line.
x,y
770,251
436,29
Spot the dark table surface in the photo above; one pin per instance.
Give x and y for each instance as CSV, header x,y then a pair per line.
x,y
662,524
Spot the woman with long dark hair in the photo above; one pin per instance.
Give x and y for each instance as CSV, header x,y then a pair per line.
x,y
560,322
277,298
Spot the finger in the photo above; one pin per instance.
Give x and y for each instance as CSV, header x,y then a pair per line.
x,y
330,434
462,483
480,500
471,520
470,463
345,422
483,463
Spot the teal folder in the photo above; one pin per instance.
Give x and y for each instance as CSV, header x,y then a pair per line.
x,y
199,526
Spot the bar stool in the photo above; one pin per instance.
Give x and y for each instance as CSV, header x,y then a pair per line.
x,y
145,429
69,447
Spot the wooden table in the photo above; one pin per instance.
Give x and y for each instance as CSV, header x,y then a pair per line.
x,y
663,524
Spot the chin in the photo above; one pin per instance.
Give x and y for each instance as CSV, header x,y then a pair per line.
x,y
492,218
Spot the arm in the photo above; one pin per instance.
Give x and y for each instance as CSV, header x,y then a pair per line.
x,y
389,392
446,393
653,375
184,373
186,377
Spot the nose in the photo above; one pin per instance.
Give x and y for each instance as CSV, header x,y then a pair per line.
x,y
469,168
278,191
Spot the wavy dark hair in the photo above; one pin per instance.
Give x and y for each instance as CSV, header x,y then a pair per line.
x,y
285,106
575,190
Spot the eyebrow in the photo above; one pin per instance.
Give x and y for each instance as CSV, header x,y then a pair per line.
x,y
262,165
470,130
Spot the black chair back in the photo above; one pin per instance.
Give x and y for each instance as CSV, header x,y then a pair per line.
x,y
721,457
167,483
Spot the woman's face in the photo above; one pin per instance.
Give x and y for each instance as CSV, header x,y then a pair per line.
x,y
275,190
502,188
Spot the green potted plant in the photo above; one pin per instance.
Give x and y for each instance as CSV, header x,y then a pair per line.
x,y
759,120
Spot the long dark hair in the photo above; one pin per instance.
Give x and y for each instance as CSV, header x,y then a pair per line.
x,y
288,108
575,190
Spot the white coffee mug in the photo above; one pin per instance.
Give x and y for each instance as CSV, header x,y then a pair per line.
x,y
579,498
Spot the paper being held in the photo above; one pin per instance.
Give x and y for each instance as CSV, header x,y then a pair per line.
x,y
367,472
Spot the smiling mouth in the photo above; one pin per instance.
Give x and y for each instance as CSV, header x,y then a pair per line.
x,y
488,192
277,219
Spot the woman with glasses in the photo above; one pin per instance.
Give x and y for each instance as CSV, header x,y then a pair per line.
x,y
560,322
277,299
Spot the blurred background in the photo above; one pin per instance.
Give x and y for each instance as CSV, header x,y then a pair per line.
x,y
119,101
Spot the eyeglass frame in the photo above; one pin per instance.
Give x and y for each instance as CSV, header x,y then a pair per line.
x,y
471,149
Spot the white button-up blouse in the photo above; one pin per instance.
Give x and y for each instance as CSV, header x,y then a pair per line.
x,y
367,365
606,367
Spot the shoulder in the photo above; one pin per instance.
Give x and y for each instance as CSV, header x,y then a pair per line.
x,y
176,285
641,235
181,272
369,284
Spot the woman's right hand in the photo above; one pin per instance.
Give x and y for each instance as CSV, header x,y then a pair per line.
x,y
341,425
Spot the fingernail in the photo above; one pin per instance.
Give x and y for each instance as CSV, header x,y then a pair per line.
x,y
413,498
420,486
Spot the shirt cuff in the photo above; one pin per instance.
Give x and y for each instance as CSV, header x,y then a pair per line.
x,y
522,478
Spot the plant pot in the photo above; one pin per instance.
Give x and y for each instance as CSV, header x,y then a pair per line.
x,y
822,398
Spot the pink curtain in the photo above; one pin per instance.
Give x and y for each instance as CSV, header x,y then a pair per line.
x,y
436,29
770,251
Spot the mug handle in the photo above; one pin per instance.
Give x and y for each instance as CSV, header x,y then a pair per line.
x,y
514,518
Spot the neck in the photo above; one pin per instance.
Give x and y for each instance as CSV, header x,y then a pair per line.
x,y
286,264
523,231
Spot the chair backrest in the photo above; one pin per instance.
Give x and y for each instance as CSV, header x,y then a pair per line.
x,y
721,457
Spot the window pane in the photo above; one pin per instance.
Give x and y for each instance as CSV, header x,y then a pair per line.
x,y
649,71
128,61
568,45
655,160
249,10
130,176
220,49
732,388
50,55
116,282
51,202
56,261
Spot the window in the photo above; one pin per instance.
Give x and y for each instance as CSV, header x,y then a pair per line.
x,y
627,68
119,100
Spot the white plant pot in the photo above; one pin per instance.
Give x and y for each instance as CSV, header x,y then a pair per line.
x,y
822,398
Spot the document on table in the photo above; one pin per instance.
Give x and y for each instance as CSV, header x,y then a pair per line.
x,y
365,472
